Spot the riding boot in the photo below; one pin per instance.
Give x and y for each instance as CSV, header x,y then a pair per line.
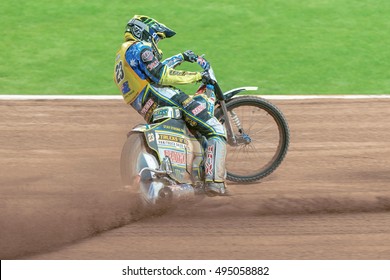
x,y
215,171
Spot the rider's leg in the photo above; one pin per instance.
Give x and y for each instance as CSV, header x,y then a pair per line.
x,y
197,117
215,171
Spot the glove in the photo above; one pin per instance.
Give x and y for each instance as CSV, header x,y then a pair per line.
x,y
206,79
190,56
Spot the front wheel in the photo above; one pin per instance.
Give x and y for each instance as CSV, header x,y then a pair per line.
x,y
262,138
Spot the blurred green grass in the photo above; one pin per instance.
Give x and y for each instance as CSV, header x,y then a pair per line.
x,y
284,47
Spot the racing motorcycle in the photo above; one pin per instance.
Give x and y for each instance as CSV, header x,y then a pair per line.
x,y
164,161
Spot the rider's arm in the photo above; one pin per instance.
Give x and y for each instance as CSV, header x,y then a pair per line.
x,y
173,61
178,77
161,74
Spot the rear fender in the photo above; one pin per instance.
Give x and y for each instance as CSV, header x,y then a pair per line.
x,y
140,128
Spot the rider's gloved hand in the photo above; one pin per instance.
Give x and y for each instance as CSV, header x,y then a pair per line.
x,y
206,79
190,56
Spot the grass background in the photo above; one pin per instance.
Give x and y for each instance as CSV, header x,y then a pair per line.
x,y
284,47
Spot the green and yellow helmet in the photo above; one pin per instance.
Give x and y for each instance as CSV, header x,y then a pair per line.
x,y
147,29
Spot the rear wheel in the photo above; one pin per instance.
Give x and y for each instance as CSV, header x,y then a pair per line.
x,y
262,138
135,156
132,159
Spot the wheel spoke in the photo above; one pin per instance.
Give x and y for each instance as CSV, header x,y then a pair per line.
x,y
262,141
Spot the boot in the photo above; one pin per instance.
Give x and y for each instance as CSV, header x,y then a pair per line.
x,y
215,188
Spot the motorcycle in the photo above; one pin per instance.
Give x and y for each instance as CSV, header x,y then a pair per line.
x,y
164,161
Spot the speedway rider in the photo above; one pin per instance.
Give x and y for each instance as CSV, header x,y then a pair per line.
x,y
146,83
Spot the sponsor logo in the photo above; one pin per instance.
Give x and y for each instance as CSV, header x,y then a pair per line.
x,y
152,65
173,128
176,157
156,37
198,109
202,62
173,144
148,114
179,73
137,32
147,106
147,56
167,137
187,102
162,113
190,122
209,160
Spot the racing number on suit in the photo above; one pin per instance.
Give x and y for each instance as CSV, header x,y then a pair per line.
x,y
119,73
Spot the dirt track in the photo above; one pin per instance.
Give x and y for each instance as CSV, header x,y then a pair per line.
x,y
61,198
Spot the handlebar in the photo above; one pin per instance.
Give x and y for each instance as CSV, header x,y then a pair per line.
x,y
202,62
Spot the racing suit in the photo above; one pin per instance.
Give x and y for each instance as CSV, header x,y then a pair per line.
x,y
146,83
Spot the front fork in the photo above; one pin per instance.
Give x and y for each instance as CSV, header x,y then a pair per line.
x,y
231,138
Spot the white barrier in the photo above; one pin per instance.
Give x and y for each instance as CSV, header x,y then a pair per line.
x,y
119,97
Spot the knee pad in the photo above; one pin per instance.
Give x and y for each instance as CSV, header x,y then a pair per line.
x,y
217,127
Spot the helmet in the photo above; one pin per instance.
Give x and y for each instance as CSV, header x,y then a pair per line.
x,y
144,28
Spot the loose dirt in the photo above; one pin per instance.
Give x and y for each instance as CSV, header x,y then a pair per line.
x,y
61,196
